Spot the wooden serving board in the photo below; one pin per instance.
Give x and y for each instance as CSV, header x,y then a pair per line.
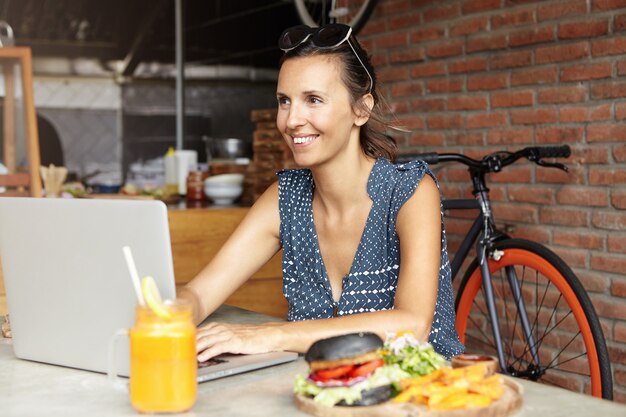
x,y
509,403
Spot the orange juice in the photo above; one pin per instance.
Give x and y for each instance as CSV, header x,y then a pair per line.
x,y
163,362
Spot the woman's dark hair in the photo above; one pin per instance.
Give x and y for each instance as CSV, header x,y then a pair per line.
x,y
374,141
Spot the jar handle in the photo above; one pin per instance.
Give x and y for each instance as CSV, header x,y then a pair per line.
x,y
111,372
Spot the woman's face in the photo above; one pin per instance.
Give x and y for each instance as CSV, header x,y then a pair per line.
x,y
315,114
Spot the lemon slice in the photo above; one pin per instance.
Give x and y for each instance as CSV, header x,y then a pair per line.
x,y
152,297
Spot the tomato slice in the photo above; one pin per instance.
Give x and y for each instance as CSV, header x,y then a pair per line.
x,y
366,368
332,373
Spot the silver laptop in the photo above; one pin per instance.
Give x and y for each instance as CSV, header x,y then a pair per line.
x,y
68,287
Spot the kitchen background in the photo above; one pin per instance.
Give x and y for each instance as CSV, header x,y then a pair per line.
x,y
104,75
103,126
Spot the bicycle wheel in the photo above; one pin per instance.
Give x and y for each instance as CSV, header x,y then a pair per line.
x,y
320,12
567,334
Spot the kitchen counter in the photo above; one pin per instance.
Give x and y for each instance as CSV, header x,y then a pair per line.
x,y
35,389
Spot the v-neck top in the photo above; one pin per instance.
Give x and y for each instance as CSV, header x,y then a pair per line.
x,y
373,278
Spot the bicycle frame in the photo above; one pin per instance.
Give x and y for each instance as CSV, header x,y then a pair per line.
x,y
484,224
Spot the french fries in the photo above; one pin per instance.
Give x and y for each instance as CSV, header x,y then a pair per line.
x,y
452,389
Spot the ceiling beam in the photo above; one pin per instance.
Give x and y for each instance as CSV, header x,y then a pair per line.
x,y
133,57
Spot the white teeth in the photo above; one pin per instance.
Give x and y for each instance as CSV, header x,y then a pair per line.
x,y
303,139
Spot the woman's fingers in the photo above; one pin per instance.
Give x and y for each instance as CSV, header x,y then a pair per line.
x,y
210,352
211,341
217,338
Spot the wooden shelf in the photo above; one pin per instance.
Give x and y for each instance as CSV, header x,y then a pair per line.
x,y
21,180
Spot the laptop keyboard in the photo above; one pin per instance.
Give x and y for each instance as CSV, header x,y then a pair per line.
x,y
211,362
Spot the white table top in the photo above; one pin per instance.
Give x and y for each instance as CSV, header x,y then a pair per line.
x,y
35,389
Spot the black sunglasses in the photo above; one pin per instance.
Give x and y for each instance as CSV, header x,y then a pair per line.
x,y
324,37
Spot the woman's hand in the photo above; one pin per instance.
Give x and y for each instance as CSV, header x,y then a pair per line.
x,y
216,338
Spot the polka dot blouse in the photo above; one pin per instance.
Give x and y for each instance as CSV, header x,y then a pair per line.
x,y
371,283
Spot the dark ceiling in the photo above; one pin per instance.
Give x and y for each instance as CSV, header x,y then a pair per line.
x,y
226,32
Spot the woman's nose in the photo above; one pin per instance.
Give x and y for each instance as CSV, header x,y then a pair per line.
x,y
295,118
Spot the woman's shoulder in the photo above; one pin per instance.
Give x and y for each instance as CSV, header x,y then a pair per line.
x,y
386,167
416,164
397,182
408,171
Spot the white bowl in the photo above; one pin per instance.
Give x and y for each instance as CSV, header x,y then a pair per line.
x,y
225,179
224,191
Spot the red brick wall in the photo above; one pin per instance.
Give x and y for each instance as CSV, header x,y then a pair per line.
x,y
476,76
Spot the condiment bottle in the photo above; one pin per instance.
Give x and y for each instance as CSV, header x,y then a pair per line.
x,y
171,180
195,185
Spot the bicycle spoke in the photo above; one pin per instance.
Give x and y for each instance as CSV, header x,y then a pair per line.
x,y
549,330
563,349
566,361
536,328
543,298
482,341
482,332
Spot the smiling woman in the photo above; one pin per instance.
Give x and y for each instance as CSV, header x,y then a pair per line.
x,y
344,220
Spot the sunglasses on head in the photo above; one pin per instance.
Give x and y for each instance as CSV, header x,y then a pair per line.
x,y
324,37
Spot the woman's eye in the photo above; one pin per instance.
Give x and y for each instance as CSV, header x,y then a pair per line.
x,y
315,100
283,101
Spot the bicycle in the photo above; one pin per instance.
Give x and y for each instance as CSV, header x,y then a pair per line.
x,y
518,300
354,13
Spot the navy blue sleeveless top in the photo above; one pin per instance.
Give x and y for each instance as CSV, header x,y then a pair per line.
x,y
371,283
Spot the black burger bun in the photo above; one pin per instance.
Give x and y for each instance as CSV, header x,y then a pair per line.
x,y
345,360
343,346
372,397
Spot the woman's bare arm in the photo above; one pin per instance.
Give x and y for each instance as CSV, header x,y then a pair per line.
x,y
251,245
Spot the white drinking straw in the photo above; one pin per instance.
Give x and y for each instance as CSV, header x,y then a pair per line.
x,y
133,274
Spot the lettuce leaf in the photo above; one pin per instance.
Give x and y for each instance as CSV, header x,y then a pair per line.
x,y
414,357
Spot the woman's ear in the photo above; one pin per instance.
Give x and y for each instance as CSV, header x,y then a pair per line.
x,y
364,109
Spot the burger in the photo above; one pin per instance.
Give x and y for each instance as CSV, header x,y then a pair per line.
x,y
348,370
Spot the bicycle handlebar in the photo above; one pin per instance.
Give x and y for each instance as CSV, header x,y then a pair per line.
x,y
494,162
562,151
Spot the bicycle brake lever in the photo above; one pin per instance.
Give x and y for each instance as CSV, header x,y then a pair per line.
x,y
551,164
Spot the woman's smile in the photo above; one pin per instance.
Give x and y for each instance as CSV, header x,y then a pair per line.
x,y
303,139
